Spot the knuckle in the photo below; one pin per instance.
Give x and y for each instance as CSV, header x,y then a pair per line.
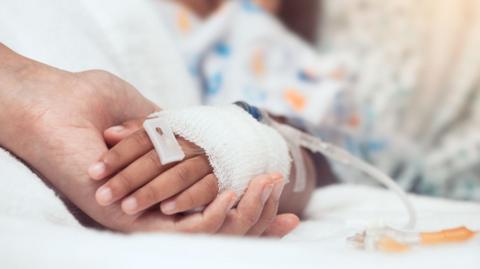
x,y
154,159
135,124
268,218
141,138
182,173
248,219
148,195
112,157
188,200
121,184
211,224
89,74
212,184
97,73
100,76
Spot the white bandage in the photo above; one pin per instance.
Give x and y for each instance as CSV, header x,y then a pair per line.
x,y
238,147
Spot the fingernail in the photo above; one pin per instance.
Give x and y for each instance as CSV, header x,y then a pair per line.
x,y
104,195
129,205
266,192
96,170
168,207
116,129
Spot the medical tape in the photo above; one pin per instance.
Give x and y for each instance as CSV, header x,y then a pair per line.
x,y
163,139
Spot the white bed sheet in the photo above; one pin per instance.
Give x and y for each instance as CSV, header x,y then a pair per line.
x,y
36,231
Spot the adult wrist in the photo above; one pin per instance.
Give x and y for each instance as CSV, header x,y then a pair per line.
x,y
5,87
14,69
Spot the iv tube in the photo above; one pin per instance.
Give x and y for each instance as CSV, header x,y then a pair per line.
x,y
338,154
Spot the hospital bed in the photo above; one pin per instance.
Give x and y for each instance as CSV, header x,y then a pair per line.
x,y
37,231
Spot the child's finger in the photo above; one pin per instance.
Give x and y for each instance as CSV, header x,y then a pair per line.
x,y
131,178
199,194
211,219
270,210
167,184
115,134
250,207
282,225
125,152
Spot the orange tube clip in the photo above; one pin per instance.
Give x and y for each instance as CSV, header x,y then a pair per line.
x,y
459,234
390,245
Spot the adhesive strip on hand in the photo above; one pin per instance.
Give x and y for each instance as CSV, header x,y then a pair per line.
x,y
164,141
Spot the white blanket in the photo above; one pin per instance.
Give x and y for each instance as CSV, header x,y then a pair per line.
x,y
37,231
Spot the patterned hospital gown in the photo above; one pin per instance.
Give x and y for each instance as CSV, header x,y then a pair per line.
x,y
243,53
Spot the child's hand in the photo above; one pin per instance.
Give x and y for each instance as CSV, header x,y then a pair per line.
x,y
136,171
256,213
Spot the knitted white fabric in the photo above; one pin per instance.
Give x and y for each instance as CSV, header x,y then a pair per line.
x,y
238,146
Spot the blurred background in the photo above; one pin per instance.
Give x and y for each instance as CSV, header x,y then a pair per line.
x,y
414,66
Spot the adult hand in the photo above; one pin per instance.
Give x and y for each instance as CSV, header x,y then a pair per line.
x,y
53,120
